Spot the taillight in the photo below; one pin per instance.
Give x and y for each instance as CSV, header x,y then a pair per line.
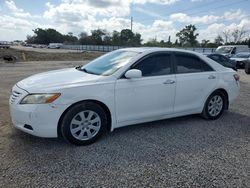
x,y
236,77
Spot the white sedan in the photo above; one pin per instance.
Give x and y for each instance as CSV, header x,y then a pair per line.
x,y
123,87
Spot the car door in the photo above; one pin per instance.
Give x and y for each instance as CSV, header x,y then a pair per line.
x,y
150,96
195,79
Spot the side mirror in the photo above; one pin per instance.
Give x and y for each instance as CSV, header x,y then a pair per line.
x,y
133,73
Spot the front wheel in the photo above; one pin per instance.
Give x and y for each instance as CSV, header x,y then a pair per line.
x,y
84,123
214,106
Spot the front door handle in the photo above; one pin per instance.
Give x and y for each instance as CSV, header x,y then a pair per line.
x,y
211,77
169,82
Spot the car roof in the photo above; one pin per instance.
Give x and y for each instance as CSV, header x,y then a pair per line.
x,y
158,49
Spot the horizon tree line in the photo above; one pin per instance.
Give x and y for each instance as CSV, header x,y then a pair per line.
x,y
186,37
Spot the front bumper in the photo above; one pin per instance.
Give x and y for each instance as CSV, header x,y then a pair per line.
x,y
43,118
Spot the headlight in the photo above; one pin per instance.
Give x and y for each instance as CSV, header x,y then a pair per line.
x,y
40,98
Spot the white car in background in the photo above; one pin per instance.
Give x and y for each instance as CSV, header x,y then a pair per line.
x,y
231,50
55,45
123,87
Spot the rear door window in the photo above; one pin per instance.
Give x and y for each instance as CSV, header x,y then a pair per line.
x,y
186,63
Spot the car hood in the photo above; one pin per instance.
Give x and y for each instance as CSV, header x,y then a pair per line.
x,y
57,79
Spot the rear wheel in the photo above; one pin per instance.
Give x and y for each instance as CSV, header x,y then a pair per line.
x,y
84,123
214,106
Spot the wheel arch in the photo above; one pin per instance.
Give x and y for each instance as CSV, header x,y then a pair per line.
x,y
104,106
225,93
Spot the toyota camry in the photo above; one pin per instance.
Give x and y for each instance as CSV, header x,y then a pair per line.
x,y
123,87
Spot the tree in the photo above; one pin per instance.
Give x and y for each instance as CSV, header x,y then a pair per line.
x,y
187,36
204,43
116,38
153,42
218,40
84,38
238,34
97,36
234,36
126,36
30,39
46,36
176,43
169,43
226,34
70,39
136,40
107,39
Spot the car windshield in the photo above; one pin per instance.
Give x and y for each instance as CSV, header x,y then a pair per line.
x,y
109,63
242,55
224,50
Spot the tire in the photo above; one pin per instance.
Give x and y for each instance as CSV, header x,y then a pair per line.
x,y
214,106
84,123
247,68
247,71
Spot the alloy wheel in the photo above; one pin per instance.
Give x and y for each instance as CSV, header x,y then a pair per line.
x,y
215,105
85,125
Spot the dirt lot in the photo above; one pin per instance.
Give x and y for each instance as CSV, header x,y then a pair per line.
x,y
40,54
179,152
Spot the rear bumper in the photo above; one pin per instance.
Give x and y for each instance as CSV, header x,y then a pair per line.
x,y
234,92
240,64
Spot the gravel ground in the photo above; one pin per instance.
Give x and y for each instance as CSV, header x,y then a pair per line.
x,y
179,152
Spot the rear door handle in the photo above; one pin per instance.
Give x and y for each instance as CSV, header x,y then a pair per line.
x,y
211,77
169,82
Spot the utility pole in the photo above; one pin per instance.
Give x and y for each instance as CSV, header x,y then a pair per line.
x,y
131,24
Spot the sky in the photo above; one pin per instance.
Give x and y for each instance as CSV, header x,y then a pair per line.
x,y
151,18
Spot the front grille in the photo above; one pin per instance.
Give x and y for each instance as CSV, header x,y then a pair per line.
x,y
14,96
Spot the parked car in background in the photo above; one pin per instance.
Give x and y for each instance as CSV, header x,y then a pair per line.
x,y
223,60
241,59
55,45
4,44
231,50
123,87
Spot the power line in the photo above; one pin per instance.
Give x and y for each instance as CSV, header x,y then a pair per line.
x,y
223,6
184,10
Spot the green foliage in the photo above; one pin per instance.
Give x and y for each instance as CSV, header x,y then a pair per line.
x,y
97,37
46,36
162,43
187,36
101,37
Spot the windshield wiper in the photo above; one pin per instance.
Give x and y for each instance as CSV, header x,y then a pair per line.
x,y
87,71
78,67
